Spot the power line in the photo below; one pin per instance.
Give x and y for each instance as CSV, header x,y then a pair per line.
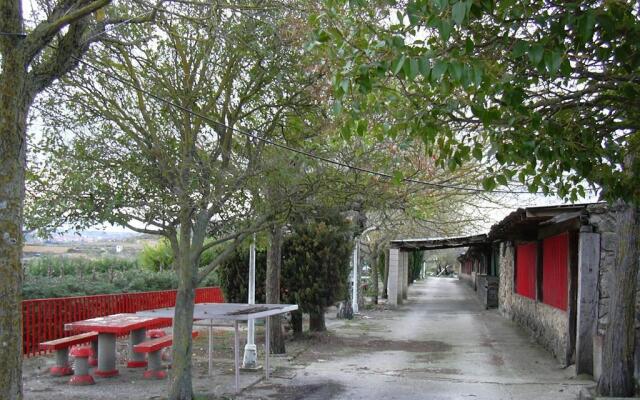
x,y
269,141
283,146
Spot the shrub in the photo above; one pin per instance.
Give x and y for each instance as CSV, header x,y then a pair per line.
x,y
158,257
315,265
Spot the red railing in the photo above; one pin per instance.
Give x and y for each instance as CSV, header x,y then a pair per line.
x,y
44,319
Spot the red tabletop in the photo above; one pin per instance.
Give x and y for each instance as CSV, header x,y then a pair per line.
x,y
119,324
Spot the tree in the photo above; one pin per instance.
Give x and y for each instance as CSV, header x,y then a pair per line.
x,y
32,59
273,287
315,265
234,275
169,107
544,92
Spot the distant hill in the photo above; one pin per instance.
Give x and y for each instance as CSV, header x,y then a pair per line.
x,y
84,236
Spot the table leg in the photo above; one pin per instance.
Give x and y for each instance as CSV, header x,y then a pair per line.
x,y
236,356
210,350
267,346
106,355
136,360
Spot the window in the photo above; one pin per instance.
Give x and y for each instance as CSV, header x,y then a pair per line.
x,y
555,265
526,255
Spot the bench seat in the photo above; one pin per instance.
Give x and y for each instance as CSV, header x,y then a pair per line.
x,y
69,341
154,348
152,345
61,347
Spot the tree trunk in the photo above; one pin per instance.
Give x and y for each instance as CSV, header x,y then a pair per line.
x,y
316,321
13,116
374,275
360,290
274,267
296,323
385,278
618,348
180,384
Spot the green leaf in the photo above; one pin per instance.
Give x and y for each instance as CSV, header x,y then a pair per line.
x,y
452,164
424,66
519,48
438,70
363,127
488,184
477,153
502,180
398,177
445,29
468,45
398,64
337,107
552,61
536,51
477,75
458,12
414,69
586,25
344,85
456,70
345,132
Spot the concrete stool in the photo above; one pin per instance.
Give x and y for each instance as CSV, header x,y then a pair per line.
x,y
62,366
81,371
155,370
93,359
158,333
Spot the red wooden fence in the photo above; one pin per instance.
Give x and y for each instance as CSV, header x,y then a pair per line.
x,y
44,319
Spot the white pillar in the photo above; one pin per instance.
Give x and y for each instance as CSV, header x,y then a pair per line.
x,y
354,287
405,274
394,277
250,359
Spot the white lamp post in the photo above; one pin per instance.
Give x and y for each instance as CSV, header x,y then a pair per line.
x,y
249,360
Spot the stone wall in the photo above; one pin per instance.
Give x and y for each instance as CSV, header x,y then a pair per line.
x,y
548,325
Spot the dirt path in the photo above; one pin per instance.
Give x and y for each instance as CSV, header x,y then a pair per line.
x,y
440,345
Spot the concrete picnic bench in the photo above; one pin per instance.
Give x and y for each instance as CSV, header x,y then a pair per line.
x,y
111,326
61,347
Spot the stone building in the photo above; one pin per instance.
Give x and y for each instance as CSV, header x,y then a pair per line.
x,y
552,267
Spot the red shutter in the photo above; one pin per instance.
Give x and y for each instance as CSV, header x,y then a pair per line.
x,y
526,269
555,251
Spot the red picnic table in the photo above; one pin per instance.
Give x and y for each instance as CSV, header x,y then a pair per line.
x,y
108,329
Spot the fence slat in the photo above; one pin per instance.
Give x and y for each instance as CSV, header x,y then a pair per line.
x,y
44,319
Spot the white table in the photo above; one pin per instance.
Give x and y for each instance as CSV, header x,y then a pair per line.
x,y
232,312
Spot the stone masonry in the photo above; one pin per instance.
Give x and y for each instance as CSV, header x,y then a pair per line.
x,y
548,325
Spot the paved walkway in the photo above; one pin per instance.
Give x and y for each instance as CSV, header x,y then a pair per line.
x,y
440,345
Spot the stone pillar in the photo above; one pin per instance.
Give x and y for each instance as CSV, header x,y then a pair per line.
x,y
588,273
394,277
405,274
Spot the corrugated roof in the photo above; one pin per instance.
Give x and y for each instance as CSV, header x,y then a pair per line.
x,y
439,243
523,221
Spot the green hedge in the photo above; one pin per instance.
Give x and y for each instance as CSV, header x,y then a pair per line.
x,y
63,276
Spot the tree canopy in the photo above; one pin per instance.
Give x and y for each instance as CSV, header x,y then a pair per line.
x,y
541,91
